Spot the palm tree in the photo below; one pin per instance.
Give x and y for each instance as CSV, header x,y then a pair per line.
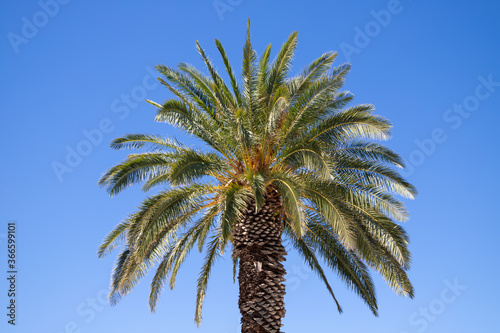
x,y
284,159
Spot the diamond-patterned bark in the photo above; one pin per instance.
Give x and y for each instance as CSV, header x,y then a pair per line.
x,y
257,243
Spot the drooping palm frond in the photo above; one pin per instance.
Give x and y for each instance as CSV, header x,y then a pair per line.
x,y
213,251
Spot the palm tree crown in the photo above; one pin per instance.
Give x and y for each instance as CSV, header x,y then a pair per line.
x,y
291,145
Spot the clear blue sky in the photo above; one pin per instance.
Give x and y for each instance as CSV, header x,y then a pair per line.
x,y
84,68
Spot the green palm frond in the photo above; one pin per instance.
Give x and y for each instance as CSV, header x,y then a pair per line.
x,y
222,92
118,271
370,173
345,262
315,70
172,259
232,76
263,71
136,168
350,124
310,258
308,155
325,204
384,262
290,190
281,65
186,88
249,79
154,142
207,100
235,200
367,151
212,254
114,238
192,165
257,184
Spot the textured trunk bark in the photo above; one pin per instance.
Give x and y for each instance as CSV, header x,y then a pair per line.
x,y
258,245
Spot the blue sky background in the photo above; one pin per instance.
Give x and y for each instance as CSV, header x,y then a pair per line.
x,y
72,72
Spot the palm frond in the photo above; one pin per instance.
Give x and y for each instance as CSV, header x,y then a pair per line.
x,y
290,191
281,65
135,169
230,72
345,262
154,142
211,256
310,258
249,78
114,238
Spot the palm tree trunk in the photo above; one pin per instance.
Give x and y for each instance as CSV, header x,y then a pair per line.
x,y
257,244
